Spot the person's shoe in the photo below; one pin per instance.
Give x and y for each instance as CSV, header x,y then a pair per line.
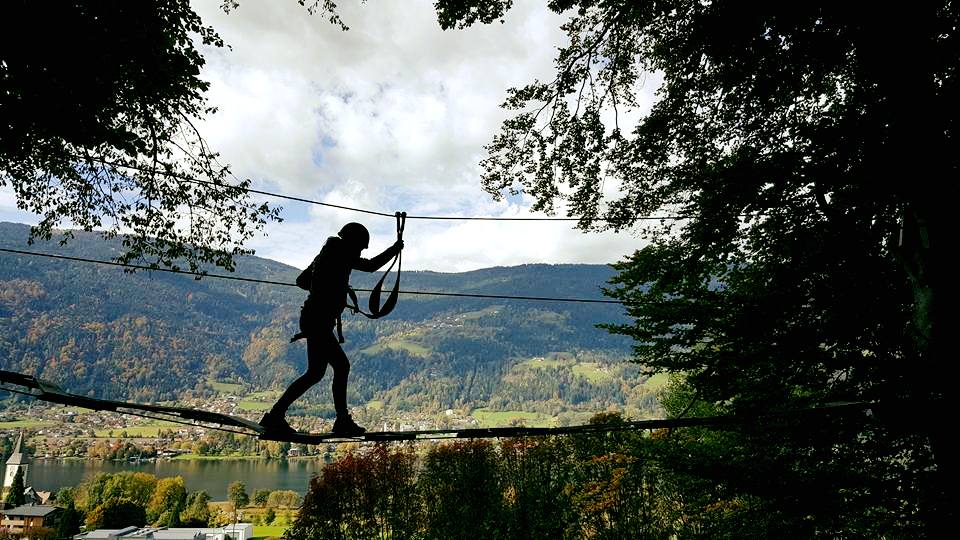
x,y
275,424
346,426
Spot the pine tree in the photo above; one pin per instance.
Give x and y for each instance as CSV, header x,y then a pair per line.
x,y
15,496
70,521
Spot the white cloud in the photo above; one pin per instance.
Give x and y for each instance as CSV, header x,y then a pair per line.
x,y
392,114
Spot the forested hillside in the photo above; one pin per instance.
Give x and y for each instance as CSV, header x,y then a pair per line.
x,y
99,331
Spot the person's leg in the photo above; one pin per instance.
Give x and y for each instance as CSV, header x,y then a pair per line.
x,y
341,372
344,425
318,351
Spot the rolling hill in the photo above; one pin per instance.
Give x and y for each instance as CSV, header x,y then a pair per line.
x,y
153,336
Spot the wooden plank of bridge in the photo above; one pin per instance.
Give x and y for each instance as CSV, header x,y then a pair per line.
x,y
46,391
49,392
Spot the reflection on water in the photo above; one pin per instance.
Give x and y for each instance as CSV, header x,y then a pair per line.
x,y
210,476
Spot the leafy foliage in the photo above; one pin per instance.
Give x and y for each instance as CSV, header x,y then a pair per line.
x,y
70,520
461,14
135,487
117,500
237,495
369,495
168,502
601,485
282,498
99,131
260,497
807,263
459,472
326,8
116,514
197,511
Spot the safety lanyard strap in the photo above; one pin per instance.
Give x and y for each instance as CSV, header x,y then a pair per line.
x,y
375,308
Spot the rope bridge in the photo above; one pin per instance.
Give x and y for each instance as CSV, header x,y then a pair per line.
x,y
31,386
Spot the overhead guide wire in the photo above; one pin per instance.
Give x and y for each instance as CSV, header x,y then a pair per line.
x,y
193,180
430,434
283,283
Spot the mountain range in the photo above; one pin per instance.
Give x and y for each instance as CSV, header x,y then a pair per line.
x,y
100,331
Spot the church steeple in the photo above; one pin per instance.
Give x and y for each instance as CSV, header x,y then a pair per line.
x,y
19,459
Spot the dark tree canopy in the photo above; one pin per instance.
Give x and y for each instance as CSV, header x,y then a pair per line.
x,y
197,512
116,514
99,102
70,520
804,147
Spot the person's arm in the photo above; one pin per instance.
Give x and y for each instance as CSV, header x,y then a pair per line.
x,y
374,264
305,279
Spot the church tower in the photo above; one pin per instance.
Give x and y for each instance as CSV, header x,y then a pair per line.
x,y
18,460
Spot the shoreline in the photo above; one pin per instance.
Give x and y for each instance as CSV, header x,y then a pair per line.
x,y
182,457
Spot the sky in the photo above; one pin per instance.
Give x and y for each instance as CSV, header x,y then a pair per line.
x,y
390,115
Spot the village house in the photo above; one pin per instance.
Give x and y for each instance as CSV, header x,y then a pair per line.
x,y
236,531
28,517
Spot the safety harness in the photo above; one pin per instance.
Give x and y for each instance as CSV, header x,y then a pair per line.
x,y
376,310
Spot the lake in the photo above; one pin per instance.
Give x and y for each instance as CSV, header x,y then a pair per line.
x,y
212,476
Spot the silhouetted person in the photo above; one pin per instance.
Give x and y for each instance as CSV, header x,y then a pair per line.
x,y
327,279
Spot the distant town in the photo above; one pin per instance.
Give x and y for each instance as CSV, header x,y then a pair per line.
x,y
69,432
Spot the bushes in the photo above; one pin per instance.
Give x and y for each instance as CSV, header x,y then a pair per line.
x,y
283,499
597,486
362,496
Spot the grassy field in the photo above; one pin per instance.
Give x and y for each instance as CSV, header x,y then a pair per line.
x,y
657,382
259,401
225,388
411,348
576,418
485,312
541,363
265,395
490,418
75,410
248,405
146,430
28,424
267,531
592,372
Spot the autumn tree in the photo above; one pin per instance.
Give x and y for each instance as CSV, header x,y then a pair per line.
x,y
260,497
362,495
283,498
137,487
116,514
536,474
197,512
168,501
237,495
607,483
457,472
100,113
104,489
